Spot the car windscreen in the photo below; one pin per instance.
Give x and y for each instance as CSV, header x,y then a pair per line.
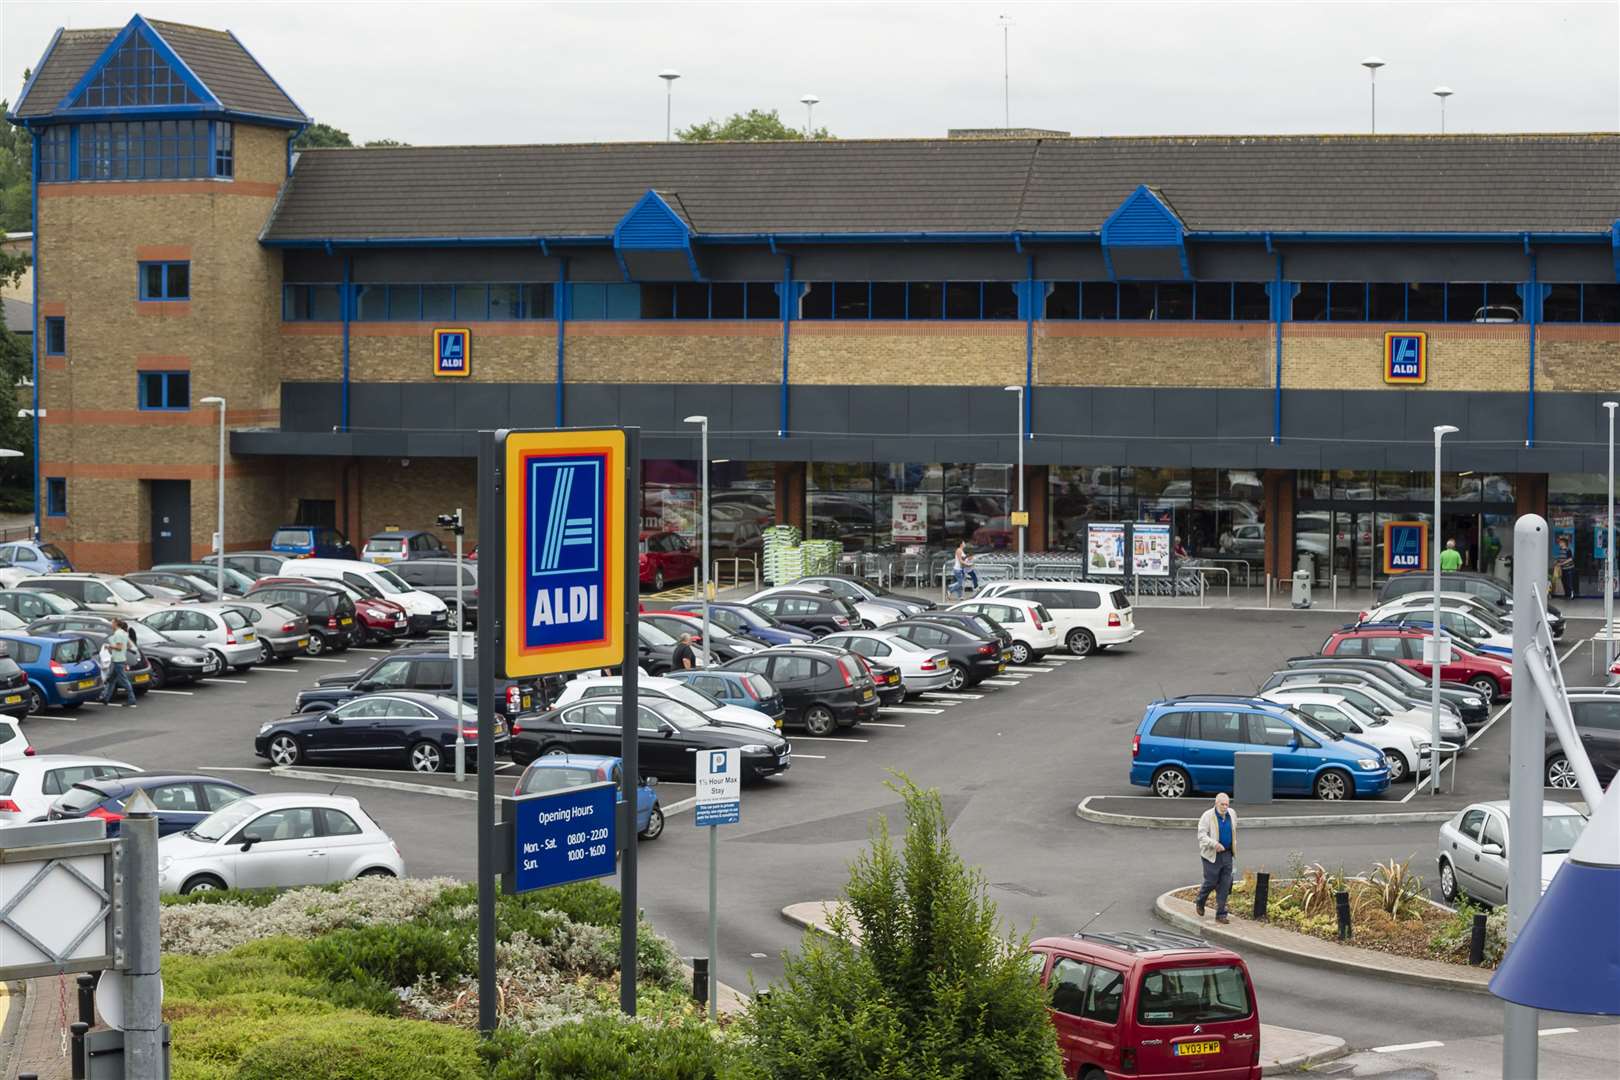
x,y
296,538
79,799
126,590
1559,832
51,551
682,717
380,543
1206,994
388,581
691,696
72,651
1313,723
221,823
555,779
56,602
654,636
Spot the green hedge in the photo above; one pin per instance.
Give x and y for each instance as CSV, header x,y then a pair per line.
x,y
610,1048
349,1047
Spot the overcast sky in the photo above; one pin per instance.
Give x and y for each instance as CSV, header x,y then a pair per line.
x,y
437,72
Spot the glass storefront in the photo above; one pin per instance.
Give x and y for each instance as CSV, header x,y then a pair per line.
x,y
1577,511
858,504
1218,514
742,502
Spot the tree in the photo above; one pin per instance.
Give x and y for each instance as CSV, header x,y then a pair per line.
x,y
933,990
755,125
385,142
16,173
16,433
319,135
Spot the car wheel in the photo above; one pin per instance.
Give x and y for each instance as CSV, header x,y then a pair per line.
x,y
1448,882
1560,774
362,635
868,624
1020,653
426,757
1333,786
1081,642
377,871
1397,766
160,678
266,653
1486,686
315,646
819,720
959,678
555,751
1171,783
220,658
658,580
285,751
202,883
655,825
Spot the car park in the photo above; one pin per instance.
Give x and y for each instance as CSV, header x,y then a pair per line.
x,y
612,686
1473,855
668,735
891,689
311,542
1492,636
819,613
31,604
860,610
743,689
743,620
277,841
36,558
858,591
14,696
219,628
1090,616
820,693
402,545
1405,749
252,564
1186,744
181,586
1376,699
437,576
29,785
13,740
375,620
425,669
166,662
237,583
666,558
282,632
973,656
1472,707
397,728
723,645
921,668
106,593
329,612
61,668
1033,630
1490,676
182,800
424,610
559,773
1597,725
1159,1004
1494,591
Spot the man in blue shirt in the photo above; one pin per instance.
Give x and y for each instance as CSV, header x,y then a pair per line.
x,y
1217,835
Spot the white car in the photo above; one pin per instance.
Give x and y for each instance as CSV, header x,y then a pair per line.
x,y
1090,615
1034,631
277,840
104,594
28,785
426,611
1403,748
857,591
1473,855
13,740
1373,699
219,628
1491,637
872,612
921,668
656,686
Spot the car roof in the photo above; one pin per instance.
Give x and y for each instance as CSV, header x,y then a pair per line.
x,y
1505,807
398,534
146,780
589,761
1218,699
1152,944
40,762
299,798
38,639
1034,583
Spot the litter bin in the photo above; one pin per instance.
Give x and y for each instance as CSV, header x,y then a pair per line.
x,y
1251,777
1302,588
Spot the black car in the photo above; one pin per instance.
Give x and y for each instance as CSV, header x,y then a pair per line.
x,y
1597,722
399,728
723,645
14,696
29,604
891,688
818,612
820,693
429,670
1472,706
974,655
236,582
333,623
182,799
438,577
976,622
169,663
669,734
1494,591
655,650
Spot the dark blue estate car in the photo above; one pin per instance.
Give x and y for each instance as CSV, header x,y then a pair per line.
x,y
182,800
311,541
744,620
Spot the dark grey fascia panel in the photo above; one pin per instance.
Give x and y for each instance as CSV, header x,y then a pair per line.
x,y
448,265
923,262
311,266
1405,262
728,263
1069,262
1569,262
310,406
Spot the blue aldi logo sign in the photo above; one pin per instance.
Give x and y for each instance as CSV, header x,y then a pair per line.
x,y
1406,357
452,352
1406,546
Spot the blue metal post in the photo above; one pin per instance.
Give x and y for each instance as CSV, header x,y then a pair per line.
x,y
344,301
560,309
1532,308
787,323
1277,322
39,322
1029,348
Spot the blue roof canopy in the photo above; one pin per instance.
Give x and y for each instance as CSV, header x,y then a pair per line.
x,y
653,226
1145,222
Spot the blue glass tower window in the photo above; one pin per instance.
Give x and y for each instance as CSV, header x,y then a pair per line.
x,y
224,149
56,496
165,281
136,75
55,153
55,335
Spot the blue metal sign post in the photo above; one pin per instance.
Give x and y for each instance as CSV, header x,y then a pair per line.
x,y
562,836
719,802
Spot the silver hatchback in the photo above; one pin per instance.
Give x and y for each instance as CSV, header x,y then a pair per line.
x,y
1473,859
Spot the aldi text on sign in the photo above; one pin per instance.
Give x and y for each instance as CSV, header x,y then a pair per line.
x,y
565,551
1406,357
719,787
563,836
1406,546
452,352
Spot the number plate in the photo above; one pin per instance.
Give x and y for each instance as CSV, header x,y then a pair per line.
x,y
248,636
303,642
1191,1049
500,727
345,622
84,684
528,702
13,699
866,695
141,679
380,560
1001,668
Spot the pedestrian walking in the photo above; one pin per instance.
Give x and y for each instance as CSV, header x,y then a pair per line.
x,y
1451,559
118,653
964,571
685,656
1565,565
1217,834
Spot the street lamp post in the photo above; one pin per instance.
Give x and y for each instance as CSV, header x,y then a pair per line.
x,y
1608,553
1438,642
1443,92
1372,64
809,102
1021,529
219,537
703,466
669,75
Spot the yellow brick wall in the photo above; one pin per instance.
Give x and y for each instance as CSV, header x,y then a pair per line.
x,y
906,353
309,356
403,352
412,496
1350,356
1576,358
1153,354
666,352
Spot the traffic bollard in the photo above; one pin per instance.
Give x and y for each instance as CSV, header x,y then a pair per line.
x,y
1341,902
87,998
1262,895
1476,941
78,1030
700,980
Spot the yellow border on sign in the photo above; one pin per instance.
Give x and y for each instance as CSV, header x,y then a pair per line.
x,y
1423,548
1423,358
466,359
609,651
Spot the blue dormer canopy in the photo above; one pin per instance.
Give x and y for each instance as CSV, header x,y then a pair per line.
x,y
656,236
1144,230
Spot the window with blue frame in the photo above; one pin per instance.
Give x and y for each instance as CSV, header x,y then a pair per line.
x,y
136,75
165,280
1407,301
421,303
55,153
163,390
1588,303
1172,300
224,149
56,496
55,335
979,300
144,150
702,300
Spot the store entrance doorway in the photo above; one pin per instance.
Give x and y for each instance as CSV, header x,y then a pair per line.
x,y
1465,530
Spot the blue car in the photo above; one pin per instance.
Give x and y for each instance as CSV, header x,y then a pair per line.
x,y
182,800
558,772
1186,745
312,542
35,557
62,670
742,688
744,620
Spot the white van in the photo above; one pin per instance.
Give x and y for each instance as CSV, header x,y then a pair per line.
x,y
1089,615
426,611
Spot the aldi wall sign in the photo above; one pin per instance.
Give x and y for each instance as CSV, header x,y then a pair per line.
x,y
1406,357
565,588
1406,546
452,352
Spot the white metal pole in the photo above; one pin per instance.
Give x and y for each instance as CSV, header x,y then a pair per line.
x,y
714,917
1437,638
1608,555
1022,509
459,655
1374,84
219,582
706,571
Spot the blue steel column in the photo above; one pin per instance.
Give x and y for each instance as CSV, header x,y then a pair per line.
x,y
560,309
39,321
1029,349
344,302
1532,308
1277,322
787,323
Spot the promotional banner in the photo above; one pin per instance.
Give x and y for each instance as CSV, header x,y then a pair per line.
x,y
909,519
1105,550
1150,550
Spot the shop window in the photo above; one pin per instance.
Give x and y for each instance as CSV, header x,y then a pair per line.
x,y
1425,301
1173,300
55,335
1135,300
1062,300
371,303
764,301
1214,300
1347,301
657,300
1250,301
325,303
852,300
691,300
1581,303
303,303
1463,300
404,303
1387,301
1311,301
727,300
472,303
963,300
438,303
1099,300
925,300
165,280
1562,304
505,302
1000,300
816,302
164,390
56,496
888,300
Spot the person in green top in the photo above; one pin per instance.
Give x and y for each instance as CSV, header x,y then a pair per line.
x,y
1451,558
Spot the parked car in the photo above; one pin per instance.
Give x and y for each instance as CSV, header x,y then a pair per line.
x,y
1495,640
1185,745
136,663
182,799
655,650
437,576
612,686
182,586
1493,591
817,612
1597,725
863,611
166,663
375,620
237,583
891,688
1159,1004
311,542
106,593
426,669
14,696
1472,707
398,728
1473,858
13,740
921,668
29,785
859,590
723,644
31,604
219,628
1034,632
1372,697
330,612
1490,676
973,655
402,545
739,618
253,564
1405,749
743,689
35,557
277,841
424,610
820,693
62,670
668,734
1090,616
666,558
974,622
554,773
283,633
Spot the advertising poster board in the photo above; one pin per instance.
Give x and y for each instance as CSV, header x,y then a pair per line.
x,y
1105,550
909,519
1150,550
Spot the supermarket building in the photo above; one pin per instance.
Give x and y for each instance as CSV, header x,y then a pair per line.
x,y
1250,337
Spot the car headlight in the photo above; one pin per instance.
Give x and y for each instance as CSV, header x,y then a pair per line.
x,y
1369,763
1472,701
755,748
266,727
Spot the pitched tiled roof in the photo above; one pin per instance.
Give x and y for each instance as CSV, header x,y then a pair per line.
x,y
1458,183
61,68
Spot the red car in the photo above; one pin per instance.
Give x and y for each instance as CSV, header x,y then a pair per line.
x,y
1159,1004
666,559
1490,675
380,620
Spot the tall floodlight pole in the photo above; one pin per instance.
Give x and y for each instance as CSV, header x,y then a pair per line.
x,y
220,538
1438,641
1006,73
1372,64
1608,553
669,75
1021,529
703,466
809,101
1443,92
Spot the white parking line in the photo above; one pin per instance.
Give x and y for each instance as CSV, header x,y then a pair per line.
x,y
277,670
356,648
812,757
950,696
52,716
1399,1047
827,738
233,682
998,681
911,710
1031,669
321,660
174,693
874,723
1557,1031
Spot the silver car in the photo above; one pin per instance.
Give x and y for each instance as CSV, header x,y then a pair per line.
x,y
921,668
1473,859
283,633
219,628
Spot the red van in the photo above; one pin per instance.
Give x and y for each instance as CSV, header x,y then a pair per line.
x,y
1129,1006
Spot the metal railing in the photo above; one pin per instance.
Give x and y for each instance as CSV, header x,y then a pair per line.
x,y
1248,568
1221,570
736,562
